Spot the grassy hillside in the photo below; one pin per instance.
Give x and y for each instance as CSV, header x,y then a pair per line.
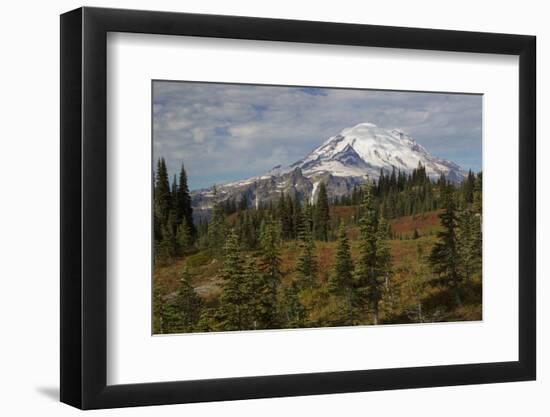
x,y
409,296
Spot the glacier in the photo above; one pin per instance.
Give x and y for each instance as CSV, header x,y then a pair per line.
x,y
342,161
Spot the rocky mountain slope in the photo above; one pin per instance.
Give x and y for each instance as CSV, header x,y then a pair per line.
x,y
341,162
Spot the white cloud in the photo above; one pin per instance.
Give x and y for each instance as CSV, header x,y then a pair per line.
x,y
225,131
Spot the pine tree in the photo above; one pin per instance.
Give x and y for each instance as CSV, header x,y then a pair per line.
x,y
341,282
306,265
444,258
322,216
231,314
187,305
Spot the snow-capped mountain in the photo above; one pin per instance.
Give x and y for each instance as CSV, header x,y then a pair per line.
x,y
341,162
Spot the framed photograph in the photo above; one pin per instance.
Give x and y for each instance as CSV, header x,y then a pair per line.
x,y
256,208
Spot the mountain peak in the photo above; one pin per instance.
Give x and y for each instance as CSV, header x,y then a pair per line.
x,y
342,161
362,125
373,149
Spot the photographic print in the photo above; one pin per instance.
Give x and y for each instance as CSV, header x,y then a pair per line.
x,y
284,207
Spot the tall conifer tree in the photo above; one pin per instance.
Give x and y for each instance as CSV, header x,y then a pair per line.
x,y
306,265
187,305
444,258
231,314
270,254
341,282
368,280
322,216
184,208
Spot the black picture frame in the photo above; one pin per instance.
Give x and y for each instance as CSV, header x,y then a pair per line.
x,y
84,207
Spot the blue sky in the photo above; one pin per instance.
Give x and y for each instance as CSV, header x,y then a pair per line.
x,y
224,132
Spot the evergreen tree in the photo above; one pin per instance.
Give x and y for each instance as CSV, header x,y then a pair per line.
x,y
341,282
166,247
384,268
174,196
261,308
160,310
416,287
284,214
207,320
306,265
368,281
231,314
270,254
465,242
478,223
467,187
162,195
184,210
294,310
217,229
296,217
187,305
183,238
322,216
444,258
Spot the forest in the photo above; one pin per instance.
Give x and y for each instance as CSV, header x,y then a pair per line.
x,y
401,249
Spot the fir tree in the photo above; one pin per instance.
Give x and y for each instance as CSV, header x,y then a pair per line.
x,y
296,217
368,281
162,195
341,282
160,310
184,210
478,222
306,265
166,247
284,214
261,308
322,216
416,287
294,311
444,258
187,305
384,268
270,253
231,314
183,238
217,229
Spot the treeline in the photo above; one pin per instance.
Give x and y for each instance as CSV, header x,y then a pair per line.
x,y
394,195
252,296
288,210
400,194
